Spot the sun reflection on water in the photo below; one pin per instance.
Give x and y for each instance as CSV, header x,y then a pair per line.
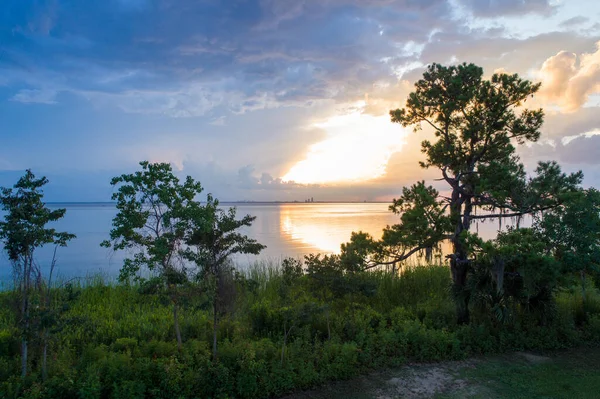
x,y
324,227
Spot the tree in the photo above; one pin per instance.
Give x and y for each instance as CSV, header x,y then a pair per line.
x,y
154,210
475,123
572,234
23,231
513,270
212,238
423,224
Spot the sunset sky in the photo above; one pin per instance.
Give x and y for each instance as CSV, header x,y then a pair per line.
x,y
273,99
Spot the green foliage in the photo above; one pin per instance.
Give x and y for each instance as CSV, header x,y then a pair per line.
x,y
212,237
476,123
117,342
571,233
474,118
24,227
512,272
153,208
23,231
423,224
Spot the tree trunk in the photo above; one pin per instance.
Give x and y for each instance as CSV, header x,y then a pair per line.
x,y
284,342
286,333
583,285
428,254
45,358
176,322
328,327
24,357
459,269
215,326
25,315
459,263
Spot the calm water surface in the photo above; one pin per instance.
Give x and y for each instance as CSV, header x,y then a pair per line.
x,y
286,229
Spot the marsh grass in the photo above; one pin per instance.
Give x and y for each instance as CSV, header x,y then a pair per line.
x,y
109,335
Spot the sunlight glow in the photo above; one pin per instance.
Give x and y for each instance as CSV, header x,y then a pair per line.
x,y
358,148
323,227
312,235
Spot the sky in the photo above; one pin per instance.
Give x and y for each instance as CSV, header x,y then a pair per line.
x,y
273,99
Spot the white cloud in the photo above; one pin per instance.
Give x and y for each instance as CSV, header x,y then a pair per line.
x,y
220,121
569,80
34,96
567,139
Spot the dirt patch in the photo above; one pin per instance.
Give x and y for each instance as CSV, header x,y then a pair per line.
x,y
413,381
534,359
419,385
424,381
569,374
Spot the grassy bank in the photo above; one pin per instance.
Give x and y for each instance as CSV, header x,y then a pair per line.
x,y
280,330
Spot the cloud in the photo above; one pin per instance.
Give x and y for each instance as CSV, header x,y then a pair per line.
x,y
358,148
244,55
582,150
574,21
559,125
29,96
246,177
220,121
194,101
233,91
569,79
496,8
572,152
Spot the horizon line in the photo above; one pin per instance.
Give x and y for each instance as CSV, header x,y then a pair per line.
x,y
238,202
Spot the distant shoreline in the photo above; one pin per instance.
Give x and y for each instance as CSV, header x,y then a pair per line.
x,y
230,202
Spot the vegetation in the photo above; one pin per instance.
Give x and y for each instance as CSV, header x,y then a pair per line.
x,y
213,238
153,208
183,322
476,123
117,341
23,231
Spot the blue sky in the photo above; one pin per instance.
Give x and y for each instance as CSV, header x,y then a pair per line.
x,y
242,93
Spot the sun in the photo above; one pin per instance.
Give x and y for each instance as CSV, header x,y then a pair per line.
x,y
357,148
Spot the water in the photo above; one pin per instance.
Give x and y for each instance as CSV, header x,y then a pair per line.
x,y
286,229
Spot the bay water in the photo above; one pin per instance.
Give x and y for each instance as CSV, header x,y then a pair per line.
x,y
287,229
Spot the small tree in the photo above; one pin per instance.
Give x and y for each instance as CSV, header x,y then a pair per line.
x,y
154,210
213,237
513,270
24,230
572,234
424,222
325,281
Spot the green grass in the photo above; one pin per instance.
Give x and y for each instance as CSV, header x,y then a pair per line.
x,y
567,374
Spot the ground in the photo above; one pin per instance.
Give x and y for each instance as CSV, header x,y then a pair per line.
x,y
569,374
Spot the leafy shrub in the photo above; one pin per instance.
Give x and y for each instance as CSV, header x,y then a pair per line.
x,y
124,344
